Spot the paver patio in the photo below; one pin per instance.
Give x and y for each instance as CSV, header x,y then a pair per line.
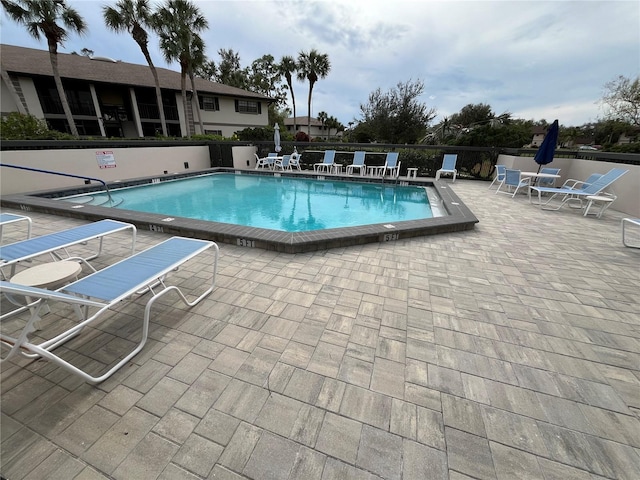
x,y
510,351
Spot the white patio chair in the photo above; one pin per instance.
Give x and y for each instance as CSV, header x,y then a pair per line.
x,y
500,172
513,182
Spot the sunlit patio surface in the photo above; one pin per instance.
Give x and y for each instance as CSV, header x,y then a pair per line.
x,y
508,351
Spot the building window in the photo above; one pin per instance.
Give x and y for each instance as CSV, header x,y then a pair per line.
x,y
208,103
213,132
248,106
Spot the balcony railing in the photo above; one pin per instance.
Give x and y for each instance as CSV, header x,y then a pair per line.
x,y
150,111
54,106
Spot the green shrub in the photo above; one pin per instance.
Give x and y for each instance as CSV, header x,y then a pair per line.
x,y
625,148
426,161
20,126
208,136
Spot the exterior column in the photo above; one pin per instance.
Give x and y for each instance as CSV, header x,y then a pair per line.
x,y
136,112
96,105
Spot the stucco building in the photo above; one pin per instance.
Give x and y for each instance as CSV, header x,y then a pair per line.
x,y
111,98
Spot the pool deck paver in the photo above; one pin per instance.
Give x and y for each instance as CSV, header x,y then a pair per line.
x,y
508,351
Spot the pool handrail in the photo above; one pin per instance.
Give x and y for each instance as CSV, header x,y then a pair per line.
x,y
31,169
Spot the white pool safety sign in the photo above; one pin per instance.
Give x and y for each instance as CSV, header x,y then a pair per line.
x,y
106,159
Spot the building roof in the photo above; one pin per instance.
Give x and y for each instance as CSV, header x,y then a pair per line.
x,y
303,121
30,61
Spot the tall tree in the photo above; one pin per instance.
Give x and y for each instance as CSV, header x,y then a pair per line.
x,y
312,66
396,116
177,22
229,71
333,122
288,68
41,17
208,70
265,78
622,99
131,16
472,115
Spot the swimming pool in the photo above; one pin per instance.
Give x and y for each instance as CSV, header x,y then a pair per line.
x,y
456,216
278,203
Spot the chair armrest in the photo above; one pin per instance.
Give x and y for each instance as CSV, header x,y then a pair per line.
x,y
572,183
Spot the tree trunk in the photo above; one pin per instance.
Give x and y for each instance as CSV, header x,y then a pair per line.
x,y
141,38
53,56
195,95
293,100
163,120
309,110
183,87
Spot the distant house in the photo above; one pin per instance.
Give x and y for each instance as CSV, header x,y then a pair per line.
x,y
538,133
630,136
317,129
110,98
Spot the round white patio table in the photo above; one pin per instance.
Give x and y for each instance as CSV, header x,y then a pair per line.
x,y
539,175
535,175
49,275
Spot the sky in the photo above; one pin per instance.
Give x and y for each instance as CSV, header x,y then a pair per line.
x,y
537,60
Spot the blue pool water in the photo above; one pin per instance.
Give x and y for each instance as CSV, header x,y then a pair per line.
x,y
276,203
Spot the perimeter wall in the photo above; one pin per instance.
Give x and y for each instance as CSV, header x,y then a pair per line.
x,y
128,163
113,163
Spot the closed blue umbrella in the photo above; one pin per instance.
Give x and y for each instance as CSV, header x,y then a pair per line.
x,y
545,153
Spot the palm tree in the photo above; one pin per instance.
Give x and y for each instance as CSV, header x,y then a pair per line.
x,y
177,22
288,68
197,60
312,66
131,16
333,122
323,117
41,17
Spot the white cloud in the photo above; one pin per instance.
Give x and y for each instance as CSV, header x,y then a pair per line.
x,y
535,59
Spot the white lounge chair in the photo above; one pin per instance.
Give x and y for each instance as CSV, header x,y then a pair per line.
x,y
448,166
513,182
581,184
391,165
578,194
628,222
57,243
358,162
327,163
268,161
143,272
9,218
